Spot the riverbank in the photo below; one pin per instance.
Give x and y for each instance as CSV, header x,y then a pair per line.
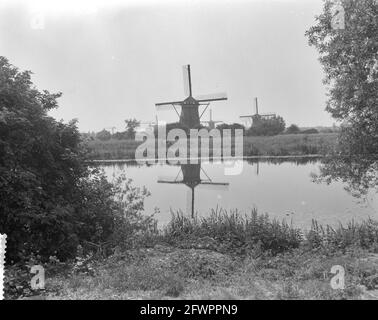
x,y
225,256
166,272
281,145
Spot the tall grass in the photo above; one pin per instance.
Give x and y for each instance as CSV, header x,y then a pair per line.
x,y
358,234
233,232
237,233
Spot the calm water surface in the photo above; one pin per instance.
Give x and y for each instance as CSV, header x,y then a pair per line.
x,y
283,190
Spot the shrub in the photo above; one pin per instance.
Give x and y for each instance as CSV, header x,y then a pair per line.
x,y
51,201
266,127
293,129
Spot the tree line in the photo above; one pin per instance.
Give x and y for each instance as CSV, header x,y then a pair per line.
x,y
261,127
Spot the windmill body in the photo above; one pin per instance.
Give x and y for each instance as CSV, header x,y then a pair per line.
x,y
189,115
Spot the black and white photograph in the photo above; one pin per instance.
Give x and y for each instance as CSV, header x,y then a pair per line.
x,y
164,151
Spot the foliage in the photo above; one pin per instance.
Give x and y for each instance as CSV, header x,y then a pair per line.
x,y
192,266
266,126
40,166
131,125
103,135
120,135
17,280
190,272
350,60
51,201
132,228
232,126
293,129
358,174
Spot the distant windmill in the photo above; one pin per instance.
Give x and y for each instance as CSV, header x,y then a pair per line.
x,y
211,123
189,115
256,117
191,177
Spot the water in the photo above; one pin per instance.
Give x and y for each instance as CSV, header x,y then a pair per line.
x,y
284,190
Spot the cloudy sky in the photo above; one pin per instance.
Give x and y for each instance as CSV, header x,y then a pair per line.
x,y
114,60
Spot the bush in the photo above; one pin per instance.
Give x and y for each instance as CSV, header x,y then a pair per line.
x,y
51,201
103,135
293,129
266,127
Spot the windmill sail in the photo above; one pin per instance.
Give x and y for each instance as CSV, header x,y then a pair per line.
x,y
168,106
219,186
187,80
212,97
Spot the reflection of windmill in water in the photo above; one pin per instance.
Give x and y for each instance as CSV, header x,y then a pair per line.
x,y
191,177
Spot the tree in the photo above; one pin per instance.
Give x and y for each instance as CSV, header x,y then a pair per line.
x,y
103,135
232,126
51,201
131,125
349,57
120,135
293,129
267,127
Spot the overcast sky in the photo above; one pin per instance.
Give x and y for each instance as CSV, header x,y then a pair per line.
x,y
115,61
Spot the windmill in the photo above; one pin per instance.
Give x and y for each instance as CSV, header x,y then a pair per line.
x,y
191,177
189,115
211,123
256,117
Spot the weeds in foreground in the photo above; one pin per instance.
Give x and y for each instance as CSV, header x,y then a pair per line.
x,y
358,234
233,232
227,255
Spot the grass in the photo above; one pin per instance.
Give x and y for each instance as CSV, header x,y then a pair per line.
x,y
233,232
230,255
281,145
290,144
165,272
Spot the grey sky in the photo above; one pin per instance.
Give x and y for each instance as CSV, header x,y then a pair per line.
x,y
115,61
